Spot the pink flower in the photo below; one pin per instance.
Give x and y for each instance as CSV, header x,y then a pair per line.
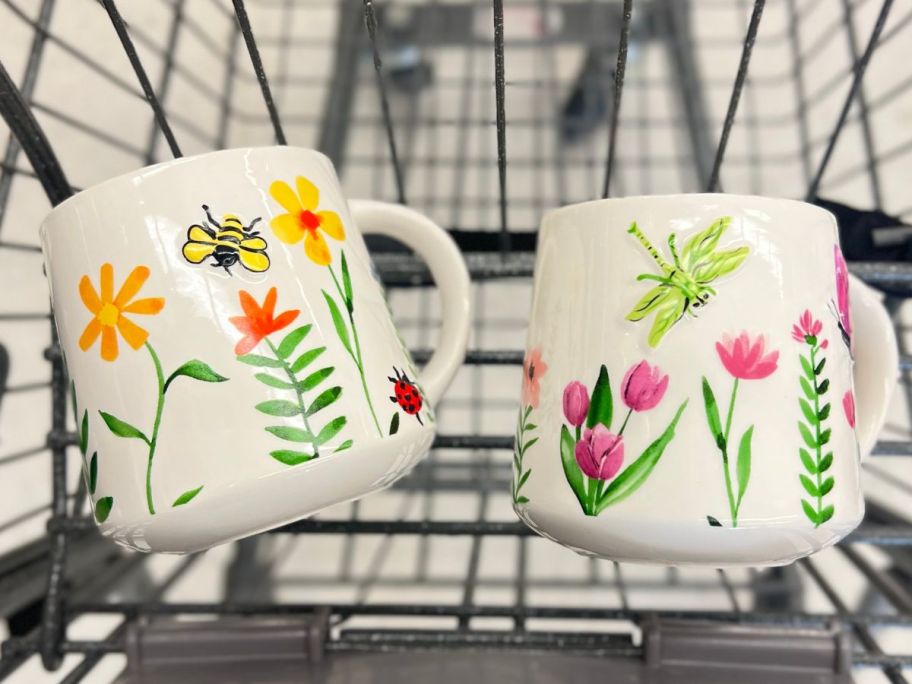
x,y
533,369
744,358
600,453
806,327
643,387
576,403
842,293
848,405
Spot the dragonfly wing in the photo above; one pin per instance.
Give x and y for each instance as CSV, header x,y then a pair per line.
x,y
701,245
666,315
719,264
649,302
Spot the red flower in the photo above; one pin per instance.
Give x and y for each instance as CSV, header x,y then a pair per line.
x,y
533,369
259,321
806,327
744,358
848,405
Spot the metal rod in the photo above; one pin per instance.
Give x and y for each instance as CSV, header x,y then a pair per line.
x,y
177,20
618,88
500,102
741,76
244,22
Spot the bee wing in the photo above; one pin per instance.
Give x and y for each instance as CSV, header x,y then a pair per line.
x,y
252,256
655,297
702,244
200,244
719,264
666,315
198,233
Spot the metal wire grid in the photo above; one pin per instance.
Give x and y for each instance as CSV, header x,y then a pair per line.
x,y
407,163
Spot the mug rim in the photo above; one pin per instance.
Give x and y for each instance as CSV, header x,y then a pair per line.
x,y
547,221
164,165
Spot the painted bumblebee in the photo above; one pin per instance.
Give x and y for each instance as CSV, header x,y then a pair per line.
x,y
406,394
228,243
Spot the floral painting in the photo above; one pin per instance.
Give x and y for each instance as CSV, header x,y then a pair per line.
x,y
840,307
534,368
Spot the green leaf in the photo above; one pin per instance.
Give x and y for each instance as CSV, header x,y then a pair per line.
x,y
522,499
526,413
290,342
103,508
807,367
808,461
823,386
93,473
394,424
525,447
122,429
278,407
634,475
289,457
261,361
186,497
808,485
826,462
806,388
808,412
84,434
347,444
743,465
273,381
571,468
523,479
324,399
713,522
196,369
825,436
347,284
292,434
530,426
305,359
819,369
338,322
315,379
826,514
827,486
807,436
331,429
712,414
809,511
602,405
824,413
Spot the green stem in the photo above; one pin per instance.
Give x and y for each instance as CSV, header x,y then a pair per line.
x,y
731,410
519,454
357,354
294,381
158,415
817,435
592,495
732,506
624,424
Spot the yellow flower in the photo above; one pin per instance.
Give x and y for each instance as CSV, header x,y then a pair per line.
x,y
109,311
303,220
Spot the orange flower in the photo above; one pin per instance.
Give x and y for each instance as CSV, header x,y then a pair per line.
x,y
303,220
109,311
259,321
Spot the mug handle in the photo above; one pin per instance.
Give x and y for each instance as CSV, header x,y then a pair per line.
x,y
876,369
434,245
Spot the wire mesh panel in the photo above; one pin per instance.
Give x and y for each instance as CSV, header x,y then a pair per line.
x,y
483,115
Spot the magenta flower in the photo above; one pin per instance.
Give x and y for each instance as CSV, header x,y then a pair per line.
x,y
744,358
600,453
576,403
842,295
533,369
643,387
806,327
848,405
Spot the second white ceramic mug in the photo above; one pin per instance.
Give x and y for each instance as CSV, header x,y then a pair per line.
x,y
688,388
235,365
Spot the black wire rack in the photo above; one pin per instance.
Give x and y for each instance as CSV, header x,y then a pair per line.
x,y
482,114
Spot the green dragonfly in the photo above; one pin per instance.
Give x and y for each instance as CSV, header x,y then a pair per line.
x,y
684,286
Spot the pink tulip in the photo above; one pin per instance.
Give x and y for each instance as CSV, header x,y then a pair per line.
x,y
744,358
848,405
643,387
600,453
576,403
806,327
842,292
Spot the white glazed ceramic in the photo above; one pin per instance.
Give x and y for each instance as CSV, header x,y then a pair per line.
x,y
239,427
656,490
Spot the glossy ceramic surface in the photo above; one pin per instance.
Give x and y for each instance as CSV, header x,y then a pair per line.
x,y
688,387
234,362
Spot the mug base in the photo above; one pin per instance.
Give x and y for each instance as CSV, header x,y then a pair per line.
x,y
240,510
662,542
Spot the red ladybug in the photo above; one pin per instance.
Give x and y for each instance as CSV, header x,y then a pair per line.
x,y
406,394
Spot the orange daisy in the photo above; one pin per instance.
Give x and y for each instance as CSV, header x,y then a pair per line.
x,y
109,311
302,219
259,321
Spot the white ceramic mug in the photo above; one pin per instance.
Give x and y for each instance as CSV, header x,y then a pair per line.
x,y
234,361
688,388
